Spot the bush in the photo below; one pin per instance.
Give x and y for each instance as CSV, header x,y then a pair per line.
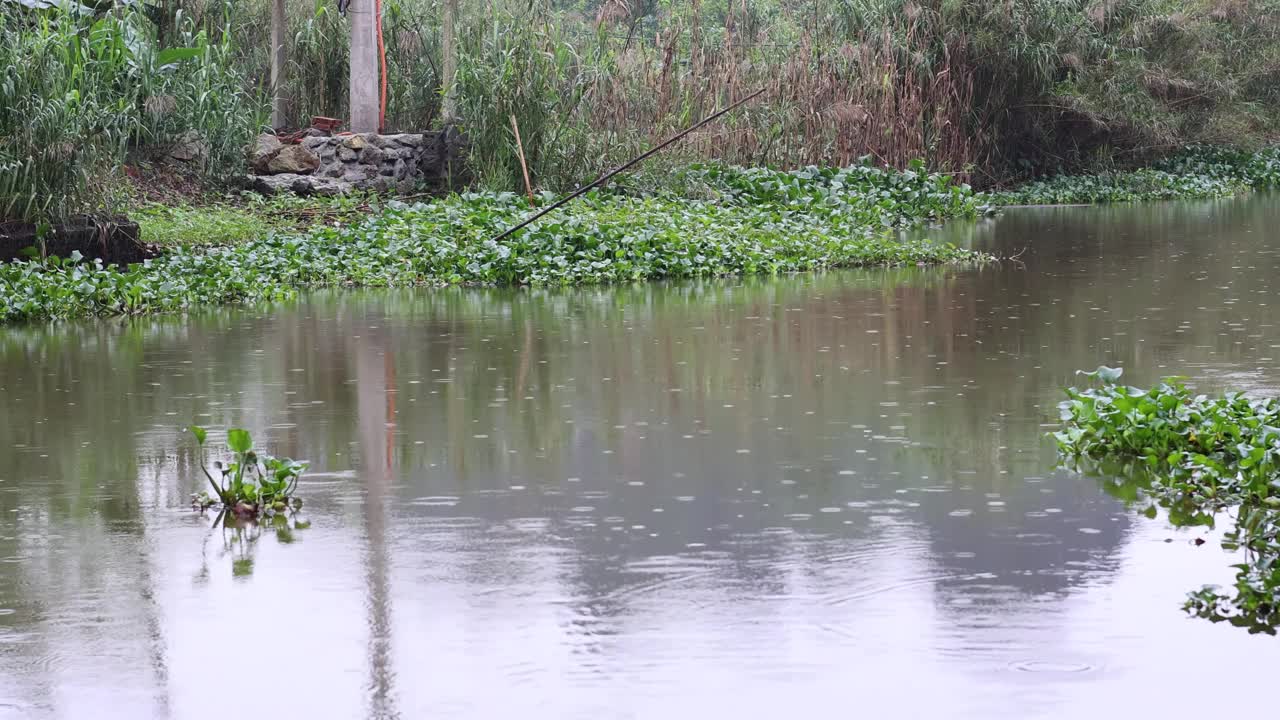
x,y
78,89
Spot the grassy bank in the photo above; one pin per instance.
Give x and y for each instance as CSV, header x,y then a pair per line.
x,y
751,222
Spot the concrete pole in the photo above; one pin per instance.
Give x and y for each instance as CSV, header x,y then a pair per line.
x,y
364,67
278,27
449,49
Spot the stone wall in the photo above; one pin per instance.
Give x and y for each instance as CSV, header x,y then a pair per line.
x,y
332,165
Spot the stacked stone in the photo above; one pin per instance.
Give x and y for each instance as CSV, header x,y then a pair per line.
x,y
330,165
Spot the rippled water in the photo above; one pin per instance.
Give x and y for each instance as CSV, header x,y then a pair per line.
x,y
808,496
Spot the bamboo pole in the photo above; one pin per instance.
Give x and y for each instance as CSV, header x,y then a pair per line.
x,y
524,167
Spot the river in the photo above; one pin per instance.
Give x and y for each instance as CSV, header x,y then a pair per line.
x,y
806,496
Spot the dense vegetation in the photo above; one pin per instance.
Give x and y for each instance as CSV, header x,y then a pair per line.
x,y
1196,173
79,89
821,220
1198,458
998,91
1009,89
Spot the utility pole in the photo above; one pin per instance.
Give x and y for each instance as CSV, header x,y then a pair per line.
x,y
278,28
364,67
449,49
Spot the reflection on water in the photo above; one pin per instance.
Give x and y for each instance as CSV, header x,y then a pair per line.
x,y
721,499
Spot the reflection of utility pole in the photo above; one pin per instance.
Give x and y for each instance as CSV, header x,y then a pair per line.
x,y
364,67
375,394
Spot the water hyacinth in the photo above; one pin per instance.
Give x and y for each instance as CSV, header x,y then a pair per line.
x,y
1198,172
598,239
1198,458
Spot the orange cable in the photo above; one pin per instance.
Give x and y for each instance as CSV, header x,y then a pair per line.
x,y
382,58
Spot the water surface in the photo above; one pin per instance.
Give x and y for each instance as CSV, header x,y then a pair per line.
x,y
806,496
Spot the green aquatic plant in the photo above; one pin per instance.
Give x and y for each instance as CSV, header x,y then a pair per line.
x,y
886,197
1197,172
251,484
600,238
1199,458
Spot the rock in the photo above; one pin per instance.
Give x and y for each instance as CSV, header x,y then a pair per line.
x,y
334,170
380,141
409,139
264,148
300,184
272,184
400,170
190,147
356,175
346,154
313,142
330,187
355,142
371,155
293,159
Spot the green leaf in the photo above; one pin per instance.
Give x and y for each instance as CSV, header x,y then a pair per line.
x,y
239,440
174,55
1109,375
200,433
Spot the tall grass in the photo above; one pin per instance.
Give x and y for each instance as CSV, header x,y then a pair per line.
x,y
994,90
77,91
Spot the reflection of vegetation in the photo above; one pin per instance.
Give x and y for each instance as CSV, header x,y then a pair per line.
x,y
1197,457
240,538
252,484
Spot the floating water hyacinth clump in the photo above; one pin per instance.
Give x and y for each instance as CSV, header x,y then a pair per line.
x,y
1199,459
250,485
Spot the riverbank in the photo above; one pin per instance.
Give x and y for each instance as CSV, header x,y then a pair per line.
x,y
1197,173
760,222
713,221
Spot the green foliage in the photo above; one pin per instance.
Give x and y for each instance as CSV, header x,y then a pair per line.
x,y
179,225
239,218
886,197
1197,457
251,484
1199,172
77,90
598,238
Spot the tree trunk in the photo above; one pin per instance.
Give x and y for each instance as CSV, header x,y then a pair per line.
x,y
449,49
278,29
364,67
